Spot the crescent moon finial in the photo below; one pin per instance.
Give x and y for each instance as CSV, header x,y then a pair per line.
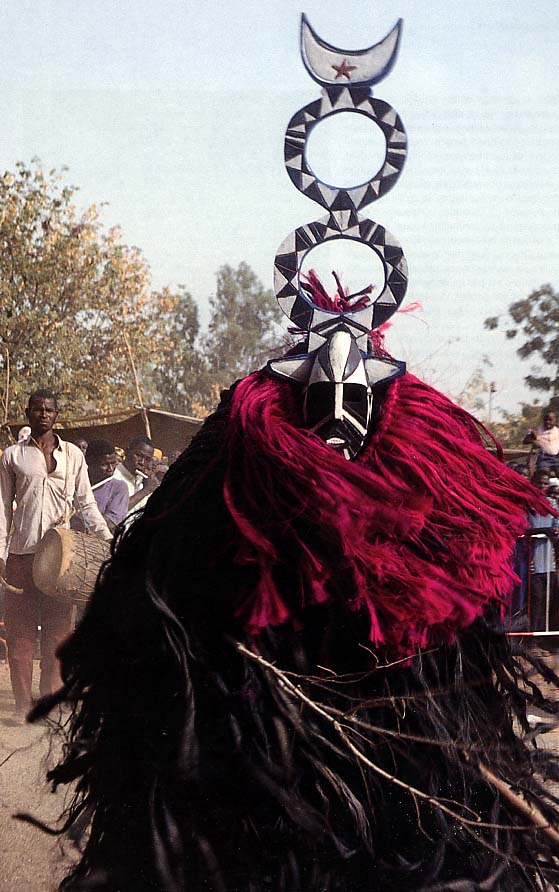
x,y
329,65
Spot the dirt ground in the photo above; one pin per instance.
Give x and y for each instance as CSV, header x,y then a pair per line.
x,y
30,861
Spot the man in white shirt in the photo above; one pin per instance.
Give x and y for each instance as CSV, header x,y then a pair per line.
x,y
42,475
134,470
546,436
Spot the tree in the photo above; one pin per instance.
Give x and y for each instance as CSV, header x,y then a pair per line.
x,y
243,331
473,395
179,377
537,318
477,392
75,303
194,366
68,293
512,429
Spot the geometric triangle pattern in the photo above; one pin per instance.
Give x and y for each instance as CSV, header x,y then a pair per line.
x,y
327,344
336,100
347,224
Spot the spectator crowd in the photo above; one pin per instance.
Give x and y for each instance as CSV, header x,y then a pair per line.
x,y
535,606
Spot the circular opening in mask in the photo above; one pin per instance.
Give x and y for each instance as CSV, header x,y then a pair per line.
x,y
355,264
345,149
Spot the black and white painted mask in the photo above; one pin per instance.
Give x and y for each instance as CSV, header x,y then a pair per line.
x,y
338,397
338,381
335,367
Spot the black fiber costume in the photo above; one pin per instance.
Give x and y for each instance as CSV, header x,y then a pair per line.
x,y
302,759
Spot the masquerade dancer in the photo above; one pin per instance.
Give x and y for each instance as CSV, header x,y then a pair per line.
x,y
292,675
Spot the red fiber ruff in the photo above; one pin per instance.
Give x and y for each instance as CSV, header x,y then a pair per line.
x,y
418,531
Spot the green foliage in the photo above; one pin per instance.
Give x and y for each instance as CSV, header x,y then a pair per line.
x,y
68,292
477,394
473,395
512,429
195,366
243,328
178,377
76,307
536,317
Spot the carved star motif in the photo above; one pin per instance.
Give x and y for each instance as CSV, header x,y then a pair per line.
x,y
344,70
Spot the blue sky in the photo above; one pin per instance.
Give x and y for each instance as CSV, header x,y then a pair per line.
x,y
174,114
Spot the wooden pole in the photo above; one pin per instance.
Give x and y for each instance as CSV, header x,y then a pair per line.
x,y
6,400
138,391
7,390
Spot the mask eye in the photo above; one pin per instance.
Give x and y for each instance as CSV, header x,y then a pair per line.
x,y
355,401
320,402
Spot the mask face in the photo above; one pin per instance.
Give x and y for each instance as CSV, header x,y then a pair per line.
x,y
338,378
338,398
